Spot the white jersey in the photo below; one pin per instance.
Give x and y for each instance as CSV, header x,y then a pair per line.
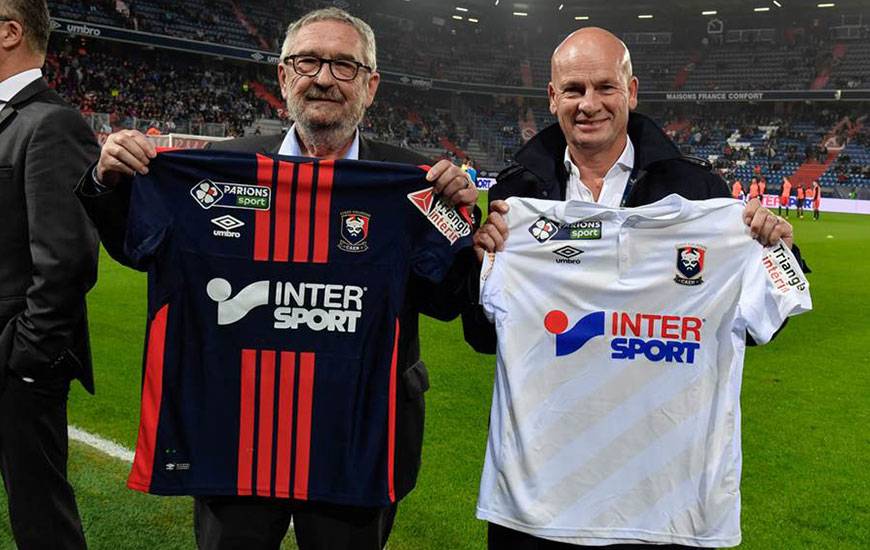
x,y
621,334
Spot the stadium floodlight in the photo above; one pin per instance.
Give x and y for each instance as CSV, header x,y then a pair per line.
x,y
709,12
458,8
763,8
581,18
520,13
777,4
826,5
561,6
496,2
472,20
645,16
457,17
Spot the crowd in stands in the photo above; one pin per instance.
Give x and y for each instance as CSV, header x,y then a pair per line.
x,y
186,93
432,45
169,93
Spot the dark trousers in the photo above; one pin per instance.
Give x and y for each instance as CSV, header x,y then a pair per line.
x,y
502,538
33,456
254,523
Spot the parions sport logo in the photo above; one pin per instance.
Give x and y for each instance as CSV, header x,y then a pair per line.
x,y
545,229
315,306
655,337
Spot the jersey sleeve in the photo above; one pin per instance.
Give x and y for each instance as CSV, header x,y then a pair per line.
x,y
774,288
491,284
148,221
443,234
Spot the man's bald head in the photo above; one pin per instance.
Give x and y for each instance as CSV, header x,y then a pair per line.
x,y
591,43
592,92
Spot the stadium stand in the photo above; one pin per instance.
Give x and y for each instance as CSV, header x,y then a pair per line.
x,y
188,93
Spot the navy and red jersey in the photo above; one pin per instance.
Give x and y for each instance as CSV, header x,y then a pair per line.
x,y
274,291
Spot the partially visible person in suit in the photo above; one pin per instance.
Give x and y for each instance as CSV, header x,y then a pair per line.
x,y
48,262
328,77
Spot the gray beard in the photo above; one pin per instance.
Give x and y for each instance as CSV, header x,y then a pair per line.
x,y
319,137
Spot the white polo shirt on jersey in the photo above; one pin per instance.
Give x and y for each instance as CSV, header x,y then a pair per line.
x,y
621,334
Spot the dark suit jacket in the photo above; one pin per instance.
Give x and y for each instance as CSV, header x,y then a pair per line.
x,y
48,249
443,301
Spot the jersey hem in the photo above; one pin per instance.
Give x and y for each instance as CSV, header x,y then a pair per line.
x,y
214,492
603,537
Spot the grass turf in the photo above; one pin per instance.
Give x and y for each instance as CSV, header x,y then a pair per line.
x,y
805,420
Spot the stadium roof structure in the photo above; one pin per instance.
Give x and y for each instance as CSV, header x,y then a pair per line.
x,y
619,13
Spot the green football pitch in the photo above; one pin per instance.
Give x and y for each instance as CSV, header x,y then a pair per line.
x,y
806,426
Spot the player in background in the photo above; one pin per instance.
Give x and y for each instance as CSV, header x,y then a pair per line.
x,y
753,189
816,197
784,196
328,78
800,201
762,187
736,189
599,151
468,168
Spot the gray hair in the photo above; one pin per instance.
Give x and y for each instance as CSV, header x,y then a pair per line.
x,y
33,16
335,14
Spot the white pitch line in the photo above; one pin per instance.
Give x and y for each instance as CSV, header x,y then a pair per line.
x,y
105,446
109,447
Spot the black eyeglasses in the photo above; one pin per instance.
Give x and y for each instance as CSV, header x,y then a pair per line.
x,y
341,69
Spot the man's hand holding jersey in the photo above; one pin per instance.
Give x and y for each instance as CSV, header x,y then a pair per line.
x,y
128,152
765,227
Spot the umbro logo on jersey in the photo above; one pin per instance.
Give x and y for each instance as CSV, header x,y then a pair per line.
x,y
690,264
231,195
227,224
567,255
668,338
315,306
354,231
449,221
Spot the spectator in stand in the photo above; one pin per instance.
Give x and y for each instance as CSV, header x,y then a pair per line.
x,y
785,196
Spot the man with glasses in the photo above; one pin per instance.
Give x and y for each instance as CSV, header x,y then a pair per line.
x,y
48,262
328,77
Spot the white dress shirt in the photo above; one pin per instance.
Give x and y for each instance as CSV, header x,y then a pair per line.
x,y
290,146
10,87
614,181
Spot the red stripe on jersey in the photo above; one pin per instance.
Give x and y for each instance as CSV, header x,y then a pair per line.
x,y
285,423
267,415
246,421
321,211
391,432
263,218
303,424
149,415
302,219
282,212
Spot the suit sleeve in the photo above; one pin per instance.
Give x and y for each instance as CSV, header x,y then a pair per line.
x,y
63,244
107,209
439,282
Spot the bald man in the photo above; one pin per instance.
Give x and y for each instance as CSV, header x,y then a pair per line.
x,y
599,151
